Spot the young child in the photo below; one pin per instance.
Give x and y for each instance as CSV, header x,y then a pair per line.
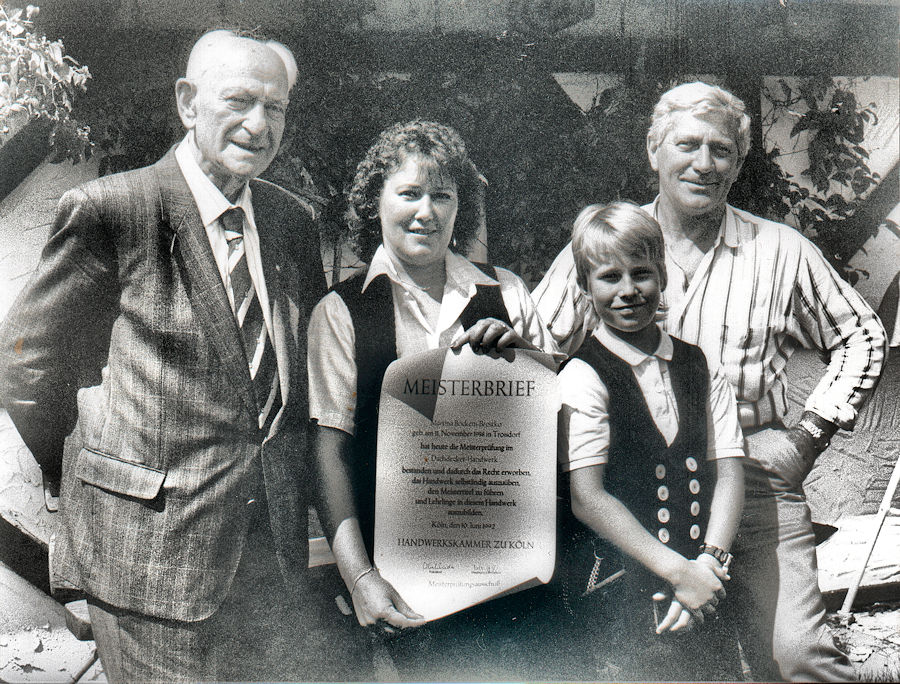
x,y
651,443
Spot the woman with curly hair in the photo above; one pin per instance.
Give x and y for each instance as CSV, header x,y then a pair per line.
x,y
416,193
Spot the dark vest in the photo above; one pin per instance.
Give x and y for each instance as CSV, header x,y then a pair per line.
x,y
372,313
667,488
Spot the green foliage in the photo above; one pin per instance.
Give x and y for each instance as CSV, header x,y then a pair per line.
x,y
828,115
542,156
38,79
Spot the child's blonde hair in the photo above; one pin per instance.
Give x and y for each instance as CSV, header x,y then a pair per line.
x,y
612,231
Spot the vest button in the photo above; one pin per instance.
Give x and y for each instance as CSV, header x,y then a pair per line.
x,y
695,508
694,486
663,515
662,493
660,471
691,464
695,531
663,535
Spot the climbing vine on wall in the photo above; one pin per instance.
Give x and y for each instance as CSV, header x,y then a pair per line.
x,y
38,80
830,121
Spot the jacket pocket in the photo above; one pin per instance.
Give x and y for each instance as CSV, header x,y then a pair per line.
x,y
115,475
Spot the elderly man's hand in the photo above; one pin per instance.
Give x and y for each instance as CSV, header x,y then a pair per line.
x,y
784,452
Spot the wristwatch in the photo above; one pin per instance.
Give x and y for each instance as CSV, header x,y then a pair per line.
x,y
720,555
820,439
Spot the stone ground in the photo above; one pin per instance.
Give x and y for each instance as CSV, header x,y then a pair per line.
x,y
871,640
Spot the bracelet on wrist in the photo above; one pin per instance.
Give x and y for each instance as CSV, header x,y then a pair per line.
x,y
721,555
359,577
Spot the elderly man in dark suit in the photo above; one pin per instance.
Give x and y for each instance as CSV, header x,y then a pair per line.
x,y
165,323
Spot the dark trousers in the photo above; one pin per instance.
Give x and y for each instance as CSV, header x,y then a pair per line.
x,y
500,640
624,645
258,634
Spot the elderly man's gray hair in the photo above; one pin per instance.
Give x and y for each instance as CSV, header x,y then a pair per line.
x,y
203,55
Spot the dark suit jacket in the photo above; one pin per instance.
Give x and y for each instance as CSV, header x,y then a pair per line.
x,y
154,497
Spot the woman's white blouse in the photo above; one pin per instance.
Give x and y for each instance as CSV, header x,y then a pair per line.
x,y
332,339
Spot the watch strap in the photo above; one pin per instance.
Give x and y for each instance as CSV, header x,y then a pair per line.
x,y
721,555
820,438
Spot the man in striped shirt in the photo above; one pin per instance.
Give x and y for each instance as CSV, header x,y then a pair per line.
x,y
749,292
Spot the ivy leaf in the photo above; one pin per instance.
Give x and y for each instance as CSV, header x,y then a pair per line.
x,y
860,185
56,51
841,177
36,63
836,202
843,163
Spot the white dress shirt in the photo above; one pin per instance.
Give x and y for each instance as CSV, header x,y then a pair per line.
x,y
211,204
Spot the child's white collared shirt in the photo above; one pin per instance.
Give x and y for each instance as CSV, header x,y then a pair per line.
x,y
584,420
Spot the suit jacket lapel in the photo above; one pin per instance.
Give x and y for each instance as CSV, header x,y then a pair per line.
x,y
277,271
205,288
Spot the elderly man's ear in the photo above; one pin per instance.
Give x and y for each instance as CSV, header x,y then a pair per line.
x,y
652,147
185,92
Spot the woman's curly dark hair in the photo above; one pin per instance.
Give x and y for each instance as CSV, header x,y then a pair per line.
x,y
435,142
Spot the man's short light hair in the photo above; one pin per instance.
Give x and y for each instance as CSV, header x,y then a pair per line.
x,y
701,98
607,233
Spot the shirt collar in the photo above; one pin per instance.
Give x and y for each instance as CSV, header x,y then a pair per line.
x,y
629,354
462,274
741,227
210,201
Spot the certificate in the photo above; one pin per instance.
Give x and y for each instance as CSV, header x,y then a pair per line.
x,y
465,501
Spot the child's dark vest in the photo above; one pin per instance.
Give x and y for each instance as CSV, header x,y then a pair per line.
x,y
372,313
667,488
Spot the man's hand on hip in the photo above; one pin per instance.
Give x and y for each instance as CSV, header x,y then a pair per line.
x,y
783,452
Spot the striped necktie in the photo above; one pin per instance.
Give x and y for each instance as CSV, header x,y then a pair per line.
x,y
258,348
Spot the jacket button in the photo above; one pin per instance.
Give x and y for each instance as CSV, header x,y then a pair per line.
x,y
662,493
663,515
660,471
691,464
695,531
694,486
663,535
695,508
